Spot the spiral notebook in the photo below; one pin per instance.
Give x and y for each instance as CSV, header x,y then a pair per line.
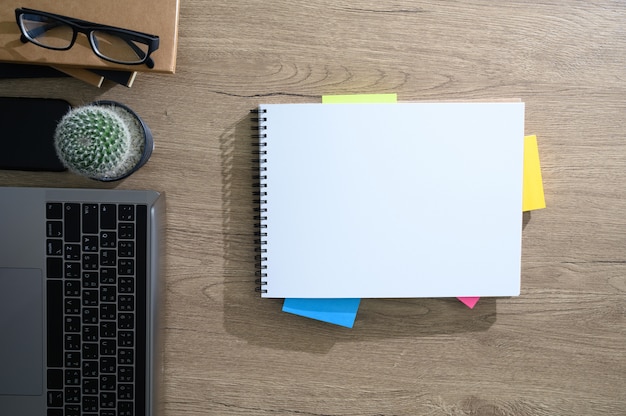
x,y
390,200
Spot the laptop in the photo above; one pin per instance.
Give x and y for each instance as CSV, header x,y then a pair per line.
x,y
80,284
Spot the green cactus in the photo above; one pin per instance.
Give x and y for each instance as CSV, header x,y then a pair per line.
x,y
99,141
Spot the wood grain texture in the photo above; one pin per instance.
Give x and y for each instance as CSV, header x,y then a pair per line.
x,y
558,349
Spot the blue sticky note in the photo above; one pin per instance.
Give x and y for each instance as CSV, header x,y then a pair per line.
x,y
335,311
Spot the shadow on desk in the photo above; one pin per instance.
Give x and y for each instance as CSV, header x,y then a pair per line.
x,y
261,322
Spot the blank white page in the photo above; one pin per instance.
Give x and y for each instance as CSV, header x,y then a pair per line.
x,y
393,200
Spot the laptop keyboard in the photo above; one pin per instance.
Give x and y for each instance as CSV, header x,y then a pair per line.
x,y
96,309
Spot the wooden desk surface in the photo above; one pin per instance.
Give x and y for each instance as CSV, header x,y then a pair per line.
x,y
558,349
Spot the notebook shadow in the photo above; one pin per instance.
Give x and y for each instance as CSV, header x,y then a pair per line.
x,y
260,321
526,217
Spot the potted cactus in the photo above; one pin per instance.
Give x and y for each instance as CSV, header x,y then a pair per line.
x,y
104,140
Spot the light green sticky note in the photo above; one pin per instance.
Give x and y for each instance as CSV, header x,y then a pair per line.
x,y
360,99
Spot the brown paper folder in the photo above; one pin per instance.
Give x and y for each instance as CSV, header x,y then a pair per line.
x,y
156,17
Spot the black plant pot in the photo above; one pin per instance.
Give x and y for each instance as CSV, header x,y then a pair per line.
x,y
147,135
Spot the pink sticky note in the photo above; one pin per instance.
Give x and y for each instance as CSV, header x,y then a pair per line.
x,y
470,301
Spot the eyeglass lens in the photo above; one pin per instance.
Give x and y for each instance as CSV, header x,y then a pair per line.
x,y
117,48
52,33
46,31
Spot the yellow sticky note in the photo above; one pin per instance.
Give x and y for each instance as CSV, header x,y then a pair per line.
x,y
532,194
360,99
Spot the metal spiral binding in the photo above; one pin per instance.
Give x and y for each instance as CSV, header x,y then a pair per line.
x,y
260,195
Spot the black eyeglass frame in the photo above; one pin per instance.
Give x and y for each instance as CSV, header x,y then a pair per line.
x,y
87,28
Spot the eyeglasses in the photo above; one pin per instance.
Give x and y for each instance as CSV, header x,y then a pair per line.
x,y
110,43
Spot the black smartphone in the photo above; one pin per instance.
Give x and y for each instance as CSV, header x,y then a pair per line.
x,y
27,133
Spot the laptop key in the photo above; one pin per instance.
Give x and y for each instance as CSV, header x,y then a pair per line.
x,y
108,365
125,409
72,288
54,210
126,339
126,267
108,258
108,329
71,222
108,311
126,231
108,346
72,410
126,285
108,216
125,356
108,293
54,311
108,276
90,404
54,267
72,359
71,270
90,297
90,386
71,252
90,261
72,395
72,377
72,324
90,280
90,333
108,382
126,248
54,247
126,321
90,351
72,306
90,369
125,392
55,398
90,316
55,379
125,374
126,303
108,239
108,399
90,243
72,342
90,219
126,213
54,229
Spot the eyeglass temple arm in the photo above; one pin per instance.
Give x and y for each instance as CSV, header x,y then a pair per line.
x,y
149,62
